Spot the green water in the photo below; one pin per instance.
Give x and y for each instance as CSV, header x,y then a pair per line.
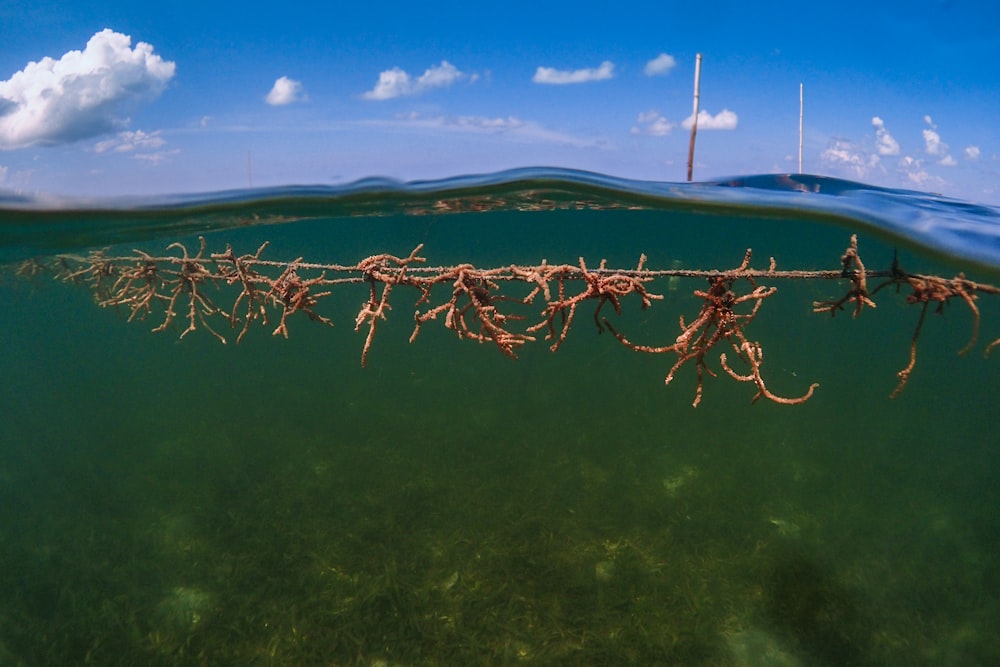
x,y
173,502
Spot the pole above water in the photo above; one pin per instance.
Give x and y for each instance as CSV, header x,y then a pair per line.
x,y
694,122
800,128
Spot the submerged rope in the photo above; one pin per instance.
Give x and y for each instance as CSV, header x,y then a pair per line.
x,y
474,306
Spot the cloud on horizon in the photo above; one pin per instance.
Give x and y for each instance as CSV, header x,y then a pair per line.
x,y
916,174
845,157
285,91
396,82
552,76
510,127
864,161
80,95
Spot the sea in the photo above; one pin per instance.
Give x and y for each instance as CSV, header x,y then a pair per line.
x,y
194,472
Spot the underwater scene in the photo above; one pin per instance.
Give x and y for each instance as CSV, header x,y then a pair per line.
x,y
533,418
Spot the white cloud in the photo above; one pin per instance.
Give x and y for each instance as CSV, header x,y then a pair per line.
x,y
396,82
511,127
972,152
724,120
550,75
652,123
916,174
142,146
285,91
842,156
934,146
661,64
932,140
441,76
489,124
885,144
157,157
472,123
933,143
80,94
391,83
863,162
125,142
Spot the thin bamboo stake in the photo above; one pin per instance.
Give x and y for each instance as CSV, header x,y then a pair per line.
x,y
694,121
800,128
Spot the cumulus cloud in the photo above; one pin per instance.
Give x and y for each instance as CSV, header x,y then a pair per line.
x,y
652,123
933,143
396,82
885,144
934,146
724,120
550,75
81,94
972,152
864,161
391,83
661,64
285,91
843,156
916,174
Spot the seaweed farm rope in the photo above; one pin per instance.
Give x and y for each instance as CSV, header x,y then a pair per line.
x,y
472,303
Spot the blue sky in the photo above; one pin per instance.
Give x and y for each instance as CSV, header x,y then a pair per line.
x,y
109,98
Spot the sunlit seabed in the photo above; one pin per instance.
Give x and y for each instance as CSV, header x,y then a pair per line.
x,y
167,501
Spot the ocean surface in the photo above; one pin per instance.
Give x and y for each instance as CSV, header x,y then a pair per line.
x,y
167,499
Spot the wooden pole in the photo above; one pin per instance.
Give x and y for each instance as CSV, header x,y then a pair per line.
x,y
694,122
800,128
